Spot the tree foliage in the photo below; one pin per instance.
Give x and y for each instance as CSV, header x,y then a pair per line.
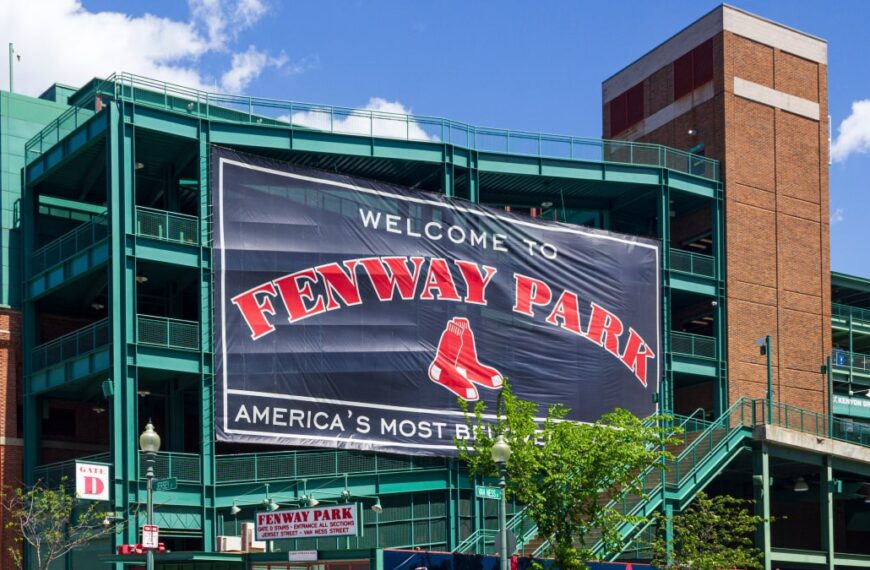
x,y
562,470
53,521
712,533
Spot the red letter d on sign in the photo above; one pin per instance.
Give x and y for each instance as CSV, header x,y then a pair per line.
x,y
93,486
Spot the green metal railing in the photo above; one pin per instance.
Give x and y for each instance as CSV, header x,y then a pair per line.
x,y
55,131
362,122
69,244
850,313
70,345
186,467
852,360
692,263
690,344
167,333
51,474
283,465
169,226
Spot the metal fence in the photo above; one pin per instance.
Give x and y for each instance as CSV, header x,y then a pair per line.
x,y
692,263
70,345
850,313
186,467
169,226
264,467
368,123
167,333
852,360
69,244
696,345
55,131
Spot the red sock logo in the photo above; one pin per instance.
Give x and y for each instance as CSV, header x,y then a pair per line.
x,y
443,369
469,365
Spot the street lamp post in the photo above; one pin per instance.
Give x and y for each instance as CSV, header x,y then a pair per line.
x,y
764,345
501,452
149,443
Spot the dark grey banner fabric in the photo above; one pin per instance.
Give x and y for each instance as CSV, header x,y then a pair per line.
x,y
351,313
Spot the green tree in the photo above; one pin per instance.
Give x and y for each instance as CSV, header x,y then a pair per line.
x,y
560,470
712,533
53,521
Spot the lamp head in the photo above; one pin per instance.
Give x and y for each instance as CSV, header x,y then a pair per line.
x,y
801,485
271,505
234,510
149,441
377,507
312,502
501,451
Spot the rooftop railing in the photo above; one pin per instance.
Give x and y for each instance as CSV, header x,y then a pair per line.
x,y
186,467
76,343
369,123
62,248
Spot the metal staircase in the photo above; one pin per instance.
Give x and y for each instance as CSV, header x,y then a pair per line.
x,y
706,448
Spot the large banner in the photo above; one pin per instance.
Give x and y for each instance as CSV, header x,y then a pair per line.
x,y
350,313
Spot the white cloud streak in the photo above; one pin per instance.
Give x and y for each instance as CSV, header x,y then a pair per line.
x,y
854,133
62,41
362,122
837,216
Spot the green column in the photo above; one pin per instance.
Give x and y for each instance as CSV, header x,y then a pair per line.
x,y
473,177
663,226
125,428
31,413
761,479
720,394
207,379
826,502
669,533
447,178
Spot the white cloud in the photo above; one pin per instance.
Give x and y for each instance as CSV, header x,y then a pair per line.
x,y
854,133
247,66
62,41
379,117
837,216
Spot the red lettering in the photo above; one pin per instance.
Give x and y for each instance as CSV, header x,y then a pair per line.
x,y
604,329
475,283
390,273
636,355
530,292
566,313
298,297
439,279
253,309
318,515
336,514
340,284
346,513
93,486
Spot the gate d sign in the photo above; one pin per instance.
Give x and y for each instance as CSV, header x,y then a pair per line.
x,y
92,481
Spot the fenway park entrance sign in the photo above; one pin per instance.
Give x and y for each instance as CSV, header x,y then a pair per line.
x,y
351,313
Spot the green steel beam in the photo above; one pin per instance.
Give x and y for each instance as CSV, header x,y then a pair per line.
x,y
761,478
826,509
65,151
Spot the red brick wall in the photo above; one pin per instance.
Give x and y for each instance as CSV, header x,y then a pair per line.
x,y
11,459
774,166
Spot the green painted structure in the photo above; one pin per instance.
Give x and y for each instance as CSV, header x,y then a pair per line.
x,y
116,301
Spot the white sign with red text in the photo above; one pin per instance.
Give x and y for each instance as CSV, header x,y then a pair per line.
x,y
92,481
150,536
340,520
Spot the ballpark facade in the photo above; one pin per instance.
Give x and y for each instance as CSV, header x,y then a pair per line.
x,y
715,148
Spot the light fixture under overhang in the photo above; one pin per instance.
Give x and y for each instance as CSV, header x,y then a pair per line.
x,y
97,306
143,393
692,132
546,204
141,278
234,510
801,485
140,165
98,409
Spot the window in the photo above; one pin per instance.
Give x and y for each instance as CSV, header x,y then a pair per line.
x,y
693,69
626,109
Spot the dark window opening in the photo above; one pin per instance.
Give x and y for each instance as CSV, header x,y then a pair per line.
x,y
693,69
626,109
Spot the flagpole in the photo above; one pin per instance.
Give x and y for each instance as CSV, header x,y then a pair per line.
x,y
11,52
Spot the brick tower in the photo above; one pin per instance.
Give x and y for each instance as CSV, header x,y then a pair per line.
x,y
753,94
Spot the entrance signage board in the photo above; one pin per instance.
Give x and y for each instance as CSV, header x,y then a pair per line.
x,y
334,520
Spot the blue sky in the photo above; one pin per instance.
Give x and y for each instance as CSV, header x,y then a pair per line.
x,y
521,65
